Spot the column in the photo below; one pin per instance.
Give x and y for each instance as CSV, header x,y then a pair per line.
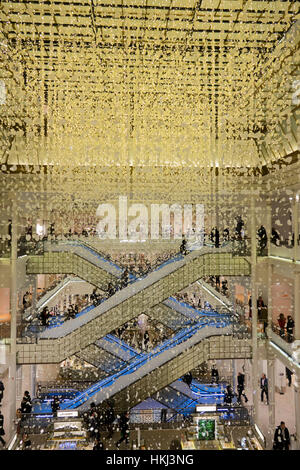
x,y
270,308
254,311
13,321
233,375
295,225
296,343
271,382
33,379
297,305
232,293
269,227
34,294
297,407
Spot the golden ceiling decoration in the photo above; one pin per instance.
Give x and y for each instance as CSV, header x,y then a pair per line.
x,y
168,82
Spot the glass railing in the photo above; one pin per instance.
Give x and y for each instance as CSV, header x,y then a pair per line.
x,y
285,249
288,337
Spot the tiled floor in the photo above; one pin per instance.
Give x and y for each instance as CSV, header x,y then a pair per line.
x,y
284,411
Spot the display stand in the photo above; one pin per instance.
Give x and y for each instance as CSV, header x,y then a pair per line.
x,y
67,432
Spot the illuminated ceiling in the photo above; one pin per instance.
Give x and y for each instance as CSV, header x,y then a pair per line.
x,y
140,82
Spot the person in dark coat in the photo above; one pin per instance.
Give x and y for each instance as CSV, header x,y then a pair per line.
x,y
262,238
163,415
2,388
239,226
124,428
109,420
188,378
183,249
228,395
264,388
124,278
26,442
241,387
146,340
93,421
217,238
226,235
290,328
275,237
260,305
2,432
26,404
289,374
98,444
281,437
110,290
45,316
214,375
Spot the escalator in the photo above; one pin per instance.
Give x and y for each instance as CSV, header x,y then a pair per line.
x,y
92,266
165,364
140,296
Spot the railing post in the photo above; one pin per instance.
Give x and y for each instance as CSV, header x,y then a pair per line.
x,y
297,407
13,316
254,310
295,225
271,390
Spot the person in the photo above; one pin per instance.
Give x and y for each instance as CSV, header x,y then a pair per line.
x,y
93,421
250,306
98,445
125,278
55,405
226,235
2,432
109,419
289,328
214,375
110,289
275,237
183,249
52,229
188,378
28,230
225,287
281,322
163,415
239,226
124,428
45,316
26,442
281,437
264,388
241,387
217,238
25,300
2,388
18,420
262,238
260,304
26,404
289,374
228,396
175,445
146,340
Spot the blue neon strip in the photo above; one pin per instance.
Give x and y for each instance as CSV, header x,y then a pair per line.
x,y
181,336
